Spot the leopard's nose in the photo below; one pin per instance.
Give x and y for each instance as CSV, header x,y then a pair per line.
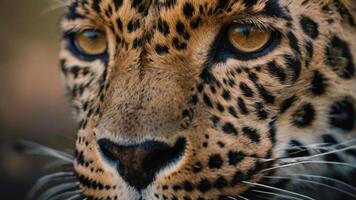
x,y
138,164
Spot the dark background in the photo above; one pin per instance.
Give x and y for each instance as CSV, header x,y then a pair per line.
x,y
32,102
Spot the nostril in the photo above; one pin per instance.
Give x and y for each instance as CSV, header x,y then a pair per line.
x,y
138,164
109,150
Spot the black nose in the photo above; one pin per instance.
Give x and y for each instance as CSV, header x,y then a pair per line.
x,y
138,164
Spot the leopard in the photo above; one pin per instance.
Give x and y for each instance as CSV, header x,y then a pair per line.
x,y
209,100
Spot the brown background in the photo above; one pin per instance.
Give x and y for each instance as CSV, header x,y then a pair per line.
x,y
32,103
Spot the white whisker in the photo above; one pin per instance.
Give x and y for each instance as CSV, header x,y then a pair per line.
x,y
65,194
312,182
308,162
243,198
47,179
57,189
276,194
75,197
330,152
326,178
278,189
38,149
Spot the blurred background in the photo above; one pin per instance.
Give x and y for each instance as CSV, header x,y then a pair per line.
x,y
32,102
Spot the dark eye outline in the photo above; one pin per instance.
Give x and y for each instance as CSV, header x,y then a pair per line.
x,y
224,49
78,52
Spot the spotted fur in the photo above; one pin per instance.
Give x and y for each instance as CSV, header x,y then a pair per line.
x,y
167,77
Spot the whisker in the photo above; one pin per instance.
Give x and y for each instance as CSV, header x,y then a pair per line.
x,y
276,194
47,179
37,149
277,189
57,189
326,178
243,198
308,162
312,146
333,146
312,156
312,182
65,194
330,152
75,197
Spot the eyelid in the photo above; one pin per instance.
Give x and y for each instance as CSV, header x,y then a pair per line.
x,y
70,32
255,22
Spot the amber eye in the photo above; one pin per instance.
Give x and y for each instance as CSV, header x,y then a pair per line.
x,y
249,39
90,42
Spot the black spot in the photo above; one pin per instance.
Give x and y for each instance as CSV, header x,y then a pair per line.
x,y
273,9
220,107
215,161
296,149
287,103
207,101
204,185
310,27
197,167
188,10
195,23
200,87
229,128
238,178
221,6
161,49
119,24
178,44
220,183
242,106
176,188
276,71
260,111
163,27
138,42
188,186
265,94
294,65
96,5
246,90
339,58
141,6
252,134
133,25
215,120
329,139
232,111
167,3
342,114
304,116
235,157
310,53
180,28
318,84
194,99
226,95
118,4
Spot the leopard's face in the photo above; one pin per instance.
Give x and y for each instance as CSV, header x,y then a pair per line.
x,y
199,99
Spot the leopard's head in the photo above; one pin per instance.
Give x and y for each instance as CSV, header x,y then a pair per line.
x,y
205,99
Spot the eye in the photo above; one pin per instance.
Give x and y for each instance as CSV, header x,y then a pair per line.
x,y
90,42
249,41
